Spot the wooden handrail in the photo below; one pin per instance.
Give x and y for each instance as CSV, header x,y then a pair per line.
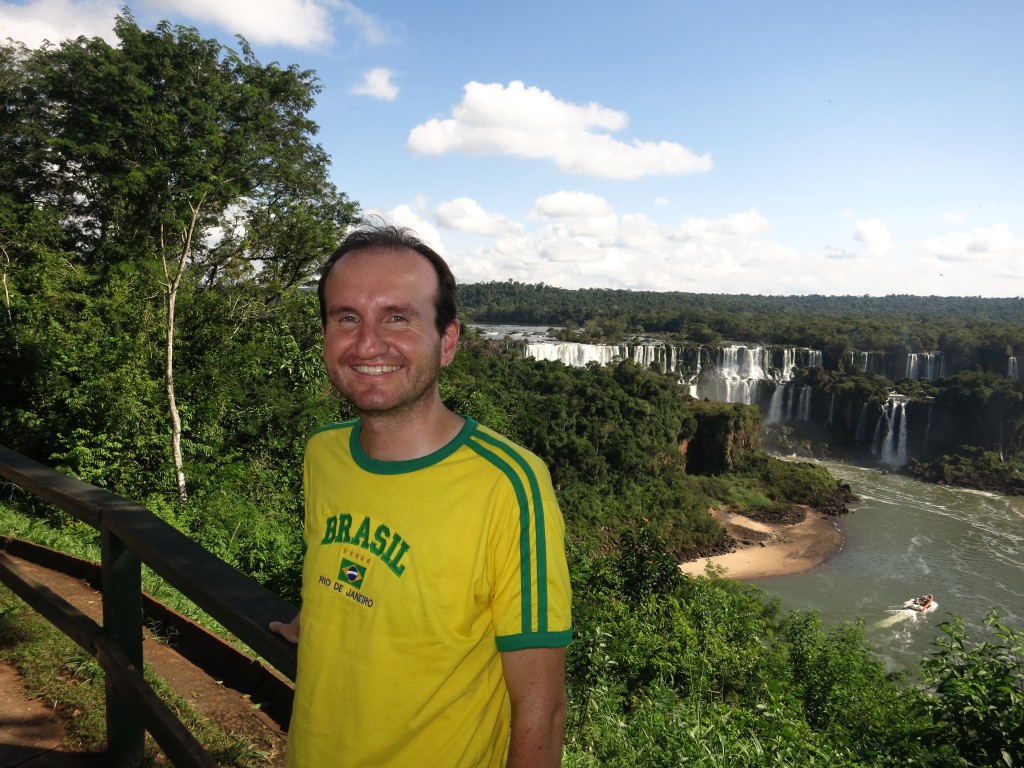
x,y
131,535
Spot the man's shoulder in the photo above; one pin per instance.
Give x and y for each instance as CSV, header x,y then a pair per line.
x,y
335,430
495,446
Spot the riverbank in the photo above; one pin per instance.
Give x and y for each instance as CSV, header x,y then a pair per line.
x,y
794,544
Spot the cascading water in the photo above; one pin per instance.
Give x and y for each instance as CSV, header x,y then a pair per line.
x,y
862,423
804,404
571,353
731,374
891,434
924,365
1012,371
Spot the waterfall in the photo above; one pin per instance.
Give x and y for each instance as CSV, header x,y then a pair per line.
x,y
927,428
912,368
572,353
901,445
696,376
862,423
925,365
776,409
804,406
1012,372
732,375
891,434
831,411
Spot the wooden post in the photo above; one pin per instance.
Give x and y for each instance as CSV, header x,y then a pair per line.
x,y
122,620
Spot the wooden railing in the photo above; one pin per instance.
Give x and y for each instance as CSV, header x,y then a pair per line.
x,y
131,535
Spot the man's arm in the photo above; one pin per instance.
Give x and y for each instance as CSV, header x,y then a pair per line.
x,y
535,678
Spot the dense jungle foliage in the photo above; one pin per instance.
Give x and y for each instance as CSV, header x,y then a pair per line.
x,y
832,323
152,345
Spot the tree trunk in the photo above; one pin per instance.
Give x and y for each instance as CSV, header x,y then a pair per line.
x,y
7,303
174,275
172,403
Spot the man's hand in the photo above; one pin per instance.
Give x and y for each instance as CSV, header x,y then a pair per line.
x,y
289,631
535,678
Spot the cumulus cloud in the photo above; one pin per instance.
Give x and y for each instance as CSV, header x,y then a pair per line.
x,y
979,244
744,224
377,83
300,23
528,122
56,20
571,205
578,240
874,234
832,252
406,216
466,215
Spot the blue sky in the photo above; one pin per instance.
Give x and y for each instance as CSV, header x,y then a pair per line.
x,y
716,147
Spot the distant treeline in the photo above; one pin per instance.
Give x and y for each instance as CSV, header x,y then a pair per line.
x,y
836,323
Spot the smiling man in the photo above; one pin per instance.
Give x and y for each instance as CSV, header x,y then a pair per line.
x,y
435,592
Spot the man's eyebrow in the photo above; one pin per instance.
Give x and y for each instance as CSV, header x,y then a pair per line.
x,y
337,310
402,309
398,309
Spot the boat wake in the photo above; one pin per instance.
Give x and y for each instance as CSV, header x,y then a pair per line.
x,y
911,610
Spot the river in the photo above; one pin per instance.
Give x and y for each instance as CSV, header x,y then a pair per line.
x,y
906,538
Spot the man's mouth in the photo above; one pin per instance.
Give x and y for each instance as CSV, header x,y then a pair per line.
x,y
375,370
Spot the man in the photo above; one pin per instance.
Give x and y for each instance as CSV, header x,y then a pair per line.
x,y
435,592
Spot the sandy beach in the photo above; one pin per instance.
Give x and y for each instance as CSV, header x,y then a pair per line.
x,y
772,549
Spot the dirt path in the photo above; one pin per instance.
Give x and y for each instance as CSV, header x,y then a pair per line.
x,y
233,710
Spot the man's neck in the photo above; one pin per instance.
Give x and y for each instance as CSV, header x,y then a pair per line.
x,y
407,436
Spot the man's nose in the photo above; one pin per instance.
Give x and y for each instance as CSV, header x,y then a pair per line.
x,y
370,341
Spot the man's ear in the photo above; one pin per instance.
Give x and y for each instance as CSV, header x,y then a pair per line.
x,y
450,342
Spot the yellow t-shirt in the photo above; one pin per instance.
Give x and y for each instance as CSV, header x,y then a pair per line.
x,y
416,574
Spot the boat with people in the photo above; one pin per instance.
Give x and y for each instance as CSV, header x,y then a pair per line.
x,y
921,604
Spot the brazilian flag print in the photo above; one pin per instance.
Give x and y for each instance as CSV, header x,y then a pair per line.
x,y
352,573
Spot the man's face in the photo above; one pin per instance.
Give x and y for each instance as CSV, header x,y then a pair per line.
x,y
381,347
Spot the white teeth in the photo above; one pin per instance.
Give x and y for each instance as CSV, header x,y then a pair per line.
x,y
376,370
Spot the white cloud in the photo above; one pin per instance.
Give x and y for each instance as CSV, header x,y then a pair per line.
x,y
832,252
466,215
978,245
571,205
874,234
578,240
956,218
300,23
405,216
744,224
661,201
377,83
527,122
57,20
371,30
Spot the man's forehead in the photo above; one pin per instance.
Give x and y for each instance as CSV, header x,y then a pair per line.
x,y
390,269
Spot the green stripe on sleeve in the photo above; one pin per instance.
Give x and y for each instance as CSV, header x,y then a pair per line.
x,y
524,529
538,517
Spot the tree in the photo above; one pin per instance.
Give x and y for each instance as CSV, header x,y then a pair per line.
x,y
174,159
